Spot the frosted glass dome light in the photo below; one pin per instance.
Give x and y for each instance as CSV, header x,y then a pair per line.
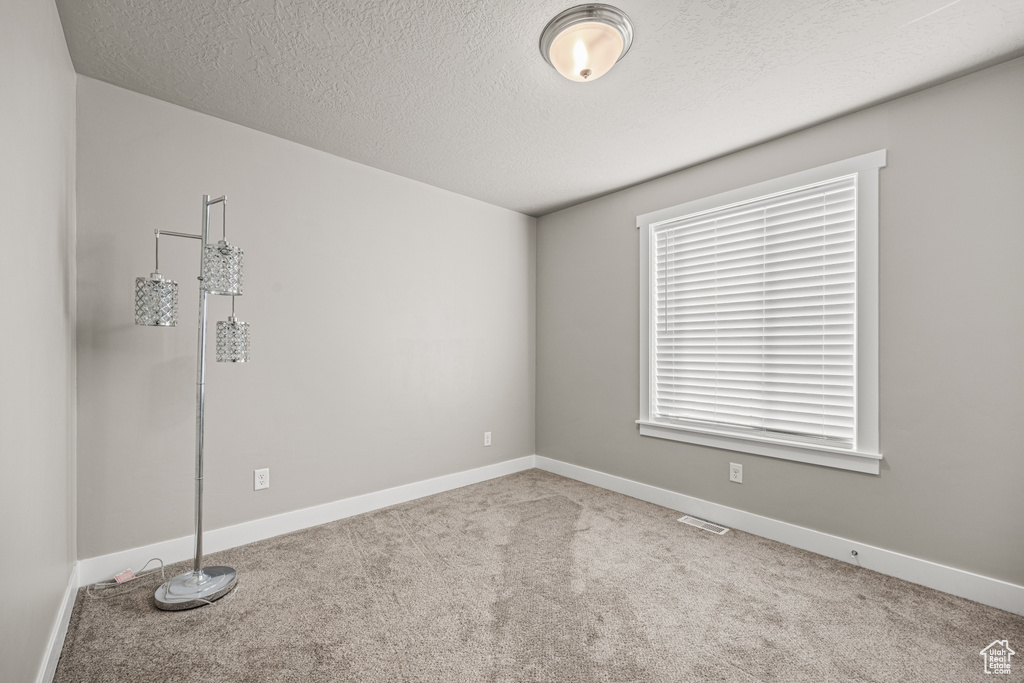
x,y
584,42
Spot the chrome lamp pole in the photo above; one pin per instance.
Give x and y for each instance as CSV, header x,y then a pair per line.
x,y
156,304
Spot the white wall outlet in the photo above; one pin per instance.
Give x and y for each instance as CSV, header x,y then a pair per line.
x,y
261,479
736,473
487,438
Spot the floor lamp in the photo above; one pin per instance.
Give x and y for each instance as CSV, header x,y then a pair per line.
x,y
156,304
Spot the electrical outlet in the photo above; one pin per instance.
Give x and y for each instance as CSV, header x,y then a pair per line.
x,y
487,438
736,473
261,479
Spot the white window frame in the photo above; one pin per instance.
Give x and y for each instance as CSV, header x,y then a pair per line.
x,y
866,455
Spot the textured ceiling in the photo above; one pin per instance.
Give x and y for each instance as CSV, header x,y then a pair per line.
x,y
456,93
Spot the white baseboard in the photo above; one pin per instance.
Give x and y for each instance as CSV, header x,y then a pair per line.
x,y
105,566
48,667
987,591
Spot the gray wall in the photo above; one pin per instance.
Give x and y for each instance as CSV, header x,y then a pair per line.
x,y
37,309
952,320
392,324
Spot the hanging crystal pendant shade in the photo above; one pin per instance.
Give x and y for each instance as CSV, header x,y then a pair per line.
x,y
232,341
222,269
156,301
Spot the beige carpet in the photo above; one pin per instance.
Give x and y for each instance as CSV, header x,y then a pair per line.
x,y
533,577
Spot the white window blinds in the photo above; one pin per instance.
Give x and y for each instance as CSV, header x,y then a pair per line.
x,y
754,316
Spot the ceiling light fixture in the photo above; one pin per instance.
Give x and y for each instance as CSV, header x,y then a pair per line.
x,y
584,42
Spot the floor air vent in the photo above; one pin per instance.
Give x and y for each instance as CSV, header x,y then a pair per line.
x,y
701,524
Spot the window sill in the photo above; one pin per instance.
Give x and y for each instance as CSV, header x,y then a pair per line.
x,y
815,455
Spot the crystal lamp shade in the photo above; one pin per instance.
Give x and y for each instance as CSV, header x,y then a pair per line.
x,y
222,269
156,301
232,341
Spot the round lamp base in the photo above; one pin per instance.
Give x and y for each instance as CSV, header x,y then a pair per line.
x,y
195,589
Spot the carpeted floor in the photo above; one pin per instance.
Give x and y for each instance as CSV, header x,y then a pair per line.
x,y
533,577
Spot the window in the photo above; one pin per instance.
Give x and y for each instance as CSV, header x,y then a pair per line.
x,y
759,328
